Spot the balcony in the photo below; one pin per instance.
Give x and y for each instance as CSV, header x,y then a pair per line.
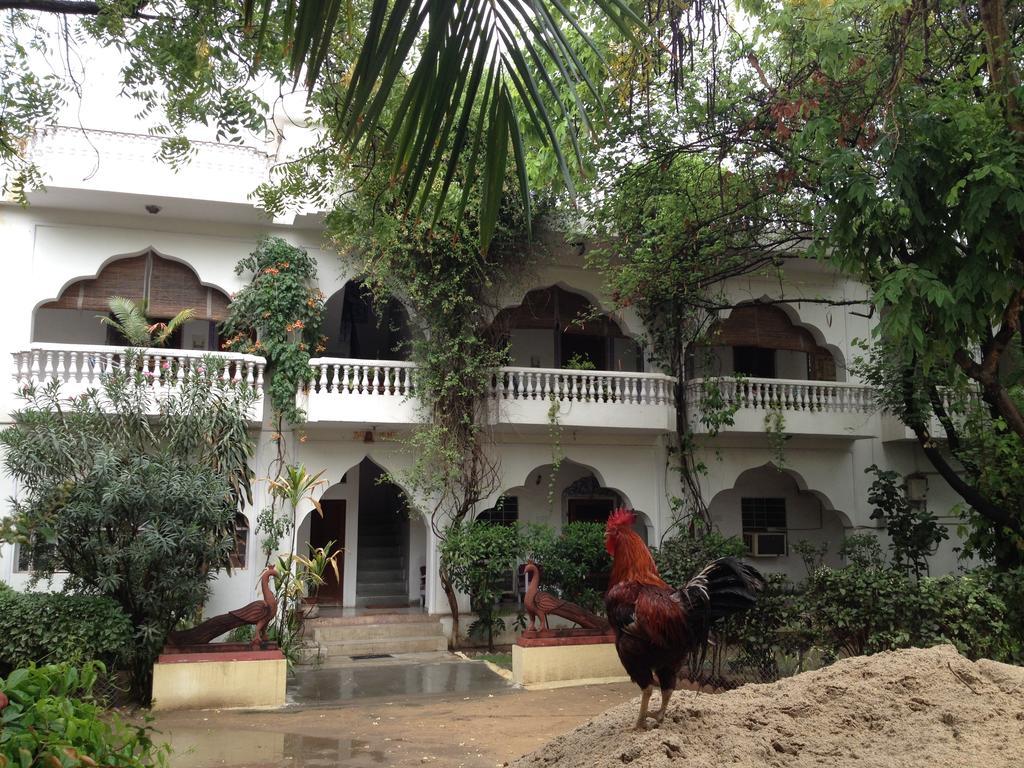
x,y
382,393
810,408
81,367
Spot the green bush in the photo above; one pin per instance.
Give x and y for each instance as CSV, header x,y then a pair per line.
x,y
857,610
682,556
478,556
575,564
53,720
38,627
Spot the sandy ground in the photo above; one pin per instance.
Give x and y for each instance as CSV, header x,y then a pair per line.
x,y
473,731
906,709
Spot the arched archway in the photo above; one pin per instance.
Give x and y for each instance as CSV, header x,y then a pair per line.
x,y
383,549
558,328
168,286
764,341
772,509
576,494
358,326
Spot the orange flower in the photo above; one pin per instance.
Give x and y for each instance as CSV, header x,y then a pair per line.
x,y
271,271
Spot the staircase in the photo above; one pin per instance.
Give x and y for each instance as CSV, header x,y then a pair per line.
x,y
342,637
381,580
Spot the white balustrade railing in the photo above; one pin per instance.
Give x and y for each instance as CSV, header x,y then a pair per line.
x,y
84,365
365,378
343,376
631,388
783,394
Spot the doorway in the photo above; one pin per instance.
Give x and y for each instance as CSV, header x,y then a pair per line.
x,y
329,528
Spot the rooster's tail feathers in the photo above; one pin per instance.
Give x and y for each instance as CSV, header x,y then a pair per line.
x,y
725,586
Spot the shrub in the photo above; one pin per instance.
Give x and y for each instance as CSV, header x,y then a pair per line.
x,y
857,610
53,719
682,556
575,563
137,508
478,556
38,627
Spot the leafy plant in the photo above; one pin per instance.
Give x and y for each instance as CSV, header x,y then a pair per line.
x,y
479,556
132,322
54,719
914,533
41,627
681,556
575,564
137,508
278,315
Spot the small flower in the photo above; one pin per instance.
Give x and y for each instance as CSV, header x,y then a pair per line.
x,y
271,271
165,365
201,369
148,374
284,264
303,437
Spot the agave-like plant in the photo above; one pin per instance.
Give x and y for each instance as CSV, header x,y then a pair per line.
x,y
130,319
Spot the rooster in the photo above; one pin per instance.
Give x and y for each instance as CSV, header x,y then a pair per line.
x,y
658,627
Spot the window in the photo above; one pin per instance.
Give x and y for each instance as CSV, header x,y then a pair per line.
x,y
504,512
763,514
239,555
764,526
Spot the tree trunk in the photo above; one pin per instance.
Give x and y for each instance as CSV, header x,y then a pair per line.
x,y
453,605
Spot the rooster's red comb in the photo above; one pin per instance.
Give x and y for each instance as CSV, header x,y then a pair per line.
x,y
620,518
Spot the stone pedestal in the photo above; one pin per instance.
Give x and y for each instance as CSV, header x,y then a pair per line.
x,y
554,658
219,676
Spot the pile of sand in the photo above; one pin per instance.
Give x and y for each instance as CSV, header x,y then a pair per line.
x,y
923,707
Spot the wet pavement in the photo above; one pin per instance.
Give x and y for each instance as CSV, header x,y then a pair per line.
x,y
401,712
405,676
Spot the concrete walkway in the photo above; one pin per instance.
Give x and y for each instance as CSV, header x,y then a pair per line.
x,y
427,709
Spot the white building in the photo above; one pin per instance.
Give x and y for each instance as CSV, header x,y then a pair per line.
x,y
114,221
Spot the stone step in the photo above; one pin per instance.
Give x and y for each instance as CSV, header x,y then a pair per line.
x,y
392,645
381,588
374,632
385,602
378,564
380,553
373,617
384,574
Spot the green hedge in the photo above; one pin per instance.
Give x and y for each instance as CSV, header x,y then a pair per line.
x,y
40,627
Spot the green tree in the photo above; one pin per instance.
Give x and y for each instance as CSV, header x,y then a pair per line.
x,y
894,131
134,507
476,76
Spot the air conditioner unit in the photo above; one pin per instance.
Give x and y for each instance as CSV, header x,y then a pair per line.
x,y
765,544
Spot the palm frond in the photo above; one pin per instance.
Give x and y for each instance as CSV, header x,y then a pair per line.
x,y
129,320
454,48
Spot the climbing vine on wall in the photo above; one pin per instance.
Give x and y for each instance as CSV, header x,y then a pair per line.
x,y
278,315
438,271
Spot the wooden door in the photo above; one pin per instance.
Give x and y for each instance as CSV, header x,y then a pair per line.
x,y
330,527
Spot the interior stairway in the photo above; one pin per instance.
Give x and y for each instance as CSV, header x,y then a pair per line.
x,y
340,638
381,580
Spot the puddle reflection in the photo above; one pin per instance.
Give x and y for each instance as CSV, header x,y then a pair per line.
x,y
314,686
215,748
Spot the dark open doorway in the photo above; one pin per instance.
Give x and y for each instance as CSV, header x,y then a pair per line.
x,y
324,529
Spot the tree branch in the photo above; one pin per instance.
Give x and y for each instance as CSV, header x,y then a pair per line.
x,y
67,7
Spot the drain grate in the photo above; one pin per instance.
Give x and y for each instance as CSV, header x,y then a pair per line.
x,y
371,656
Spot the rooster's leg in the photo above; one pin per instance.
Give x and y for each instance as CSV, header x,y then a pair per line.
x,y
641,723
666,694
